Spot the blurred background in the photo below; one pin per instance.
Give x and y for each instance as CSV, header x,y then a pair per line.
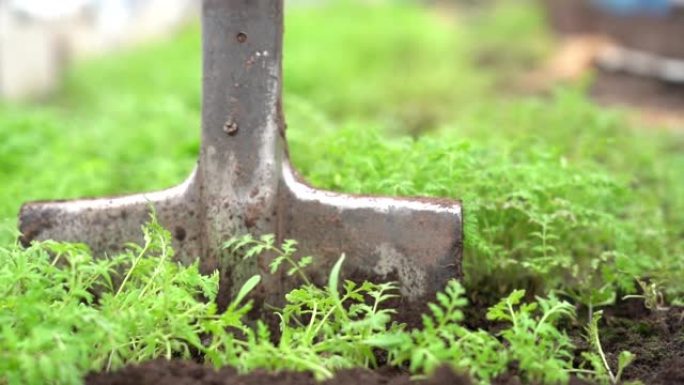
x,y
39,39
631,44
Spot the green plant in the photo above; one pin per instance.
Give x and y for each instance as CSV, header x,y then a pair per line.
x,y
72,313
651,295
443,340
321,328
597,358
251,247
64,313
543,352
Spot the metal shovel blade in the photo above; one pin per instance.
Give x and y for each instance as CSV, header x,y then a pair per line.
x,y
244,183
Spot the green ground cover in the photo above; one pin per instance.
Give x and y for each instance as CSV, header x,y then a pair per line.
x,y
559,194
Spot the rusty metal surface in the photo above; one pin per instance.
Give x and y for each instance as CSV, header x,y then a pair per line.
x,y
244,183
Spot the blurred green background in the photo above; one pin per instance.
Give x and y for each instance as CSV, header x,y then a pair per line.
x,y
393,97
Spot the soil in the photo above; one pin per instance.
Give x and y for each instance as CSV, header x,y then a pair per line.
x,y
655,337
191,373
178,372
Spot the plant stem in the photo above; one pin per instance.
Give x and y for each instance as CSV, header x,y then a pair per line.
x,y
130,271
597,342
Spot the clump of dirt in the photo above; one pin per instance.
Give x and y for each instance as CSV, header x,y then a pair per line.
x,y
673,373
511,378
176,372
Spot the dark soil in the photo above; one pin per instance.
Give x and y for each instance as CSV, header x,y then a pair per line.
x,y
655,337
190,373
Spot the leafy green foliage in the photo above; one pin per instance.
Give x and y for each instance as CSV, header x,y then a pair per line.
x,y
63,313
285,253
444,340
71,314
543,352
651,295
321,328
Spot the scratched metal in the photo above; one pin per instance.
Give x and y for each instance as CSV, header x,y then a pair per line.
x,y
244,183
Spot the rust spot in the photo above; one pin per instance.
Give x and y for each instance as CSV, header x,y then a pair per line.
x,y
252,215
241,37
179,233
230,128
254,192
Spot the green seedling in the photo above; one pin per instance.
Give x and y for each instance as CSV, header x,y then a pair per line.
x,y
652,296
443,340
251,247
602,371
543,352
64,313
322,328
